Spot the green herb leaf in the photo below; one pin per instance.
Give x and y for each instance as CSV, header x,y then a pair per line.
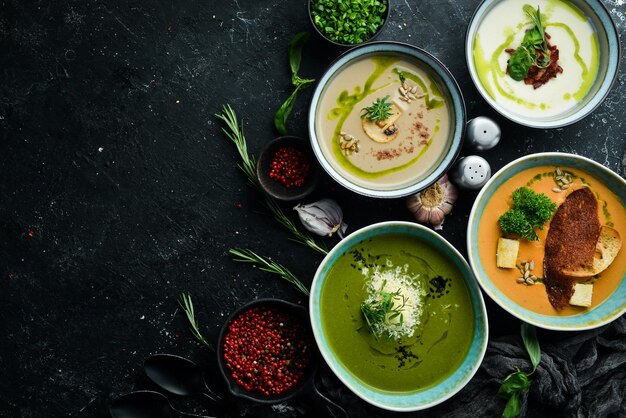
x,y
295,51
529,335
525,56
283,112
266,264
185,302
516,382
535,17
513,407
514,222
382,309
533,39
295,56
530,210
377,111
537,207
520,62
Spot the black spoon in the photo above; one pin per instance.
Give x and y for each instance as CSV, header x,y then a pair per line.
x,y
146,404
179,376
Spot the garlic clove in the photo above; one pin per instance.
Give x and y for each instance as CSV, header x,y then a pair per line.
x,y
323,217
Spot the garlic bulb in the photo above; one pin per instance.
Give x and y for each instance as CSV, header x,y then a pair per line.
x,y
323,217
431,205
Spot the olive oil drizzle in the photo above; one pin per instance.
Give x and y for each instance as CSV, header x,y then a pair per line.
x,y
346,103
487,69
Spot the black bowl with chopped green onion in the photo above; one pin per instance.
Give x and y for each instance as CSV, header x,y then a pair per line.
x,y
348,22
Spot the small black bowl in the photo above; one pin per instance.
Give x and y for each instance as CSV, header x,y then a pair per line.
x,y
298,312
319,32
305,387
275,188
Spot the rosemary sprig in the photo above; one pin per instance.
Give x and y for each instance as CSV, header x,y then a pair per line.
x,y
287,223
234,132
184,300
265,264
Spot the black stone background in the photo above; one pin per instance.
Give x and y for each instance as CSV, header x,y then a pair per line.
x,y
110,155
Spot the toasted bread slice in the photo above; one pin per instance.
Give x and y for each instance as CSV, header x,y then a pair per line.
x,y
382,131
607,247
570,244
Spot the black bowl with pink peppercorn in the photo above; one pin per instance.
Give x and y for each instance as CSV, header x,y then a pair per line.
x,y
266,353
287,169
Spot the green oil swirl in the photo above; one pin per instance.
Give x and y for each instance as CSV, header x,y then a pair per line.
x,y
490,70
346,103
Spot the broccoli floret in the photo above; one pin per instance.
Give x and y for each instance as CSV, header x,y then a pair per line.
x,y
530,210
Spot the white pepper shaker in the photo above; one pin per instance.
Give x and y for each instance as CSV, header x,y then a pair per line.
x,y
481,134
471,172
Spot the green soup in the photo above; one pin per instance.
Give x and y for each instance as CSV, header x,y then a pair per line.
x,y
442,338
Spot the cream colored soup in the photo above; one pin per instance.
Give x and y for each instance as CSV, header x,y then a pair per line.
x,y
423,127
504,27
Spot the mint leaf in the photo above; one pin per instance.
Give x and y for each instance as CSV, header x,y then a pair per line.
x,y
531,343
512,408
514,383
519,63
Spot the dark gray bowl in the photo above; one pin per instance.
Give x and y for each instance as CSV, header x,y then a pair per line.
x,y
339,44
275,188
450,90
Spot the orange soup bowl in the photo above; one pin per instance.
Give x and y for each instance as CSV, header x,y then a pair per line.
x,y
530,302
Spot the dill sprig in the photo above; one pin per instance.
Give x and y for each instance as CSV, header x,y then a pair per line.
x,y
266,264
379,110
184,300
234,132
380,311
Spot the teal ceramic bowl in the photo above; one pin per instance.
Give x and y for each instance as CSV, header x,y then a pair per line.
x,y
430,396
610,309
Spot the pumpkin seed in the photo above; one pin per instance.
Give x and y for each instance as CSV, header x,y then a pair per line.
x,y
557,190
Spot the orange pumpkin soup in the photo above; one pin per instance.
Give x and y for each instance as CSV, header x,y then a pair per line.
x,y
611,212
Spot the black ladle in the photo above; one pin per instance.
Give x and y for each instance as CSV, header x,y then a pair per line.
x,y
305,387
146,404
179,376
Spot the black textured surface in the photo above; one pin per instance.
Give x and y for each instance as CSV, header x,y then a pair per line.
x,y
118,191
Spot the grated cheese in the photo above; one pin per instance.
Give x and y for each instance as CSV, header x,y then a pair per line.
x,y
410,291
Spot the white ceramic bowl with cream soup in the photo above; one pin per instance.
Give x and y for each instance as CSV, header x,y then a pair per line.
x,y
588,48
411,144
